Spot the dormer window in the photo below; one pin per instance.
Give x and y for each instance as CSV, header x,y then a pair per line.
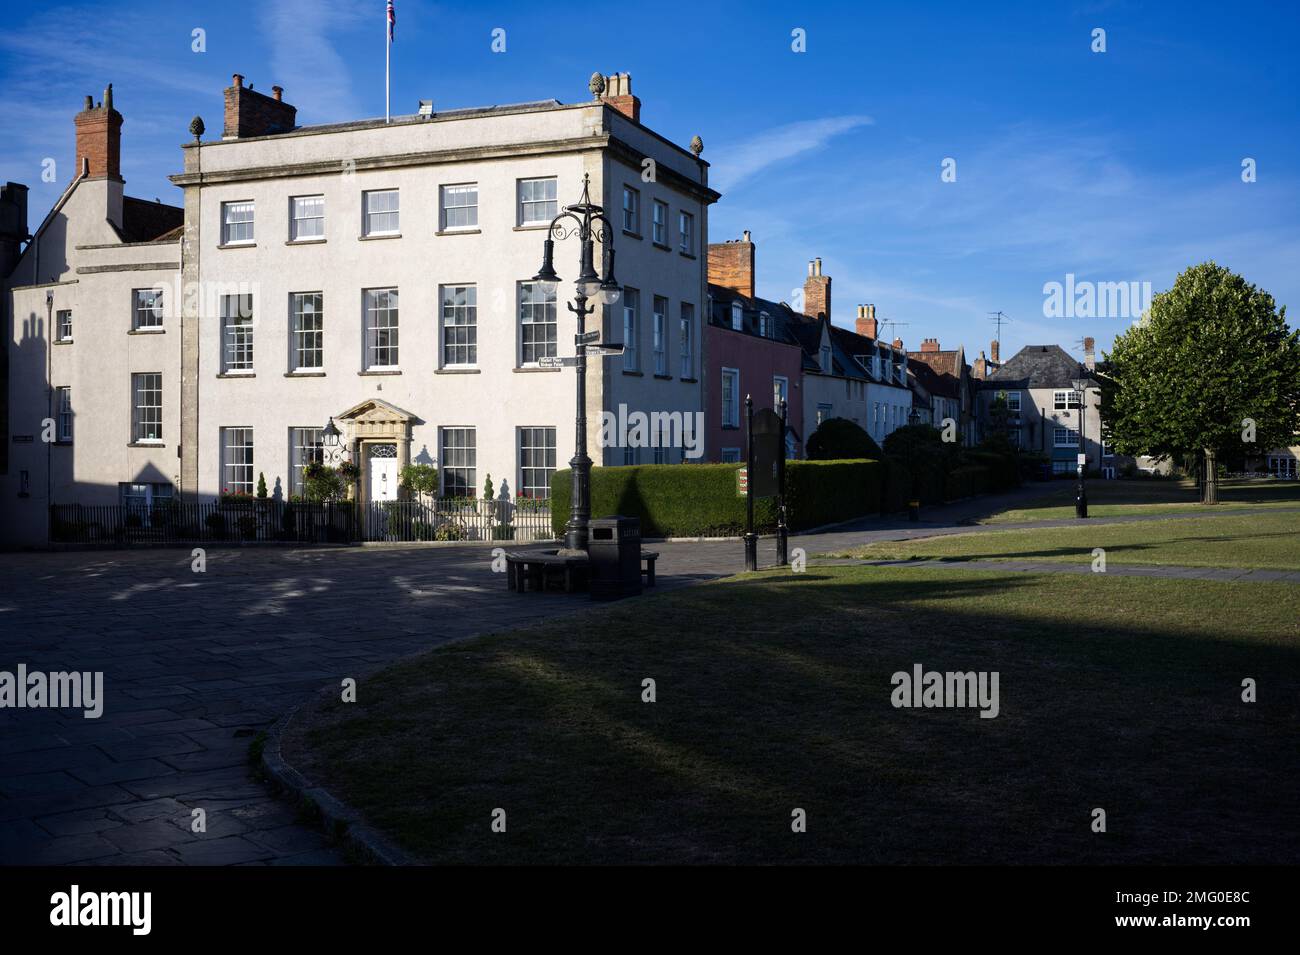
x,y
737,317
765,324
826,359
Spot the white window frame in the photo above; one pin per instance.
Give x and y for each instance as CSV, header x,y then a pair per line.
x,y
63,325
686,339
1072,437
306,340
372,225
659,222
314,205
1013,402
826,363
238,340
452,459
534,211
824,412
147,317
389,332
528,460
631,329
306,445
730,391
534,313
1068,403
458,210
146,416
780,391
238,439
458,325
239,222
63,408
686,233
659,334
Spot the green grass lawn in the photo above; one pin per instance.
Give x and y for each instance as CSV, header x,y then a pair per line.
x,y
1114,498
773,693
1267,539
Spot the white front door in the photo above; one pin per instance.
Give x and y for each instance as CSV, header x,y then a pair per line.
x,y
382,475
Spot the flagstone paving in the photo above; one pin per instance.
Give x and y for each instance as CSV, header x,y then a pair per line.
x,y
196,664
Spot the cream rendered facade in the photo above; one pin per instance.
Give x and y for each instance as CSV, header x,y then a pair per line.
x,y
414,403
77,262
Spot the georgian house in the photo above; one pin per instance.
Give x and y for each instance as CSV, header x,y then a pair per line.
x,y
1043,408
374,273
92,346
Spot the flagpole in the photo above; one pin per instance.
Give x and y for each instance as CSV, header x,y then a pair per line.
x,y
388,55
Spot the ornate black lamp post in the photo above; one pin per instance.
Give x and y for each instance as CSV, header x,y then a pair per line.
x,y
913,501
589,226
1080,386
333,452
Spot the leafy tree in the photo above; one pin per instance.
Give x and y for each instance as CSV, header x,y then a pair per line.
x,y
419,479
324,483
1211,369
839,439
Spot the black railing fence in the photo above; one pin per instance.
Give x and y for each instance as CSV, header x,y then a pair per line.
x,y
272,521
458,519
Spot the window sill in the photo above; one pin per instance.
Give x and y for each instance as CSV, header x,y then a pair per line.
x,y
146,444
628,233
633,373
238,245
62,443
533,227
377,372
304,374
528,369
731,427
453,370
690,381
63,341
459,232
662,245
379,236
146,331
305,242
237,374
664,377
687,255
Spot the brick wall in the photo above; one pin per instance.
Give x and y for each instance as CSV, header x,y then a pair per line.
x,y
250,113
99,138
817,291
731,265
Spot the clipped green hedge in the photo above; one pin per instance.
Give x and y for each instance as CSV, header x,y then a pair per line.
x,y
701,500
967,481
1004,469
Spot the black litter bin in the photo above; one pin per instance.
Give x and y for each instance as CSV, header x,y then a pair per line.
x,y
614,557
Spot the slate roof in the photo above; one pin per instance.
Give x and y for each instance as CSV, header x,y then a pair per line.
x,y
144,221
943,385
788,325
1036,366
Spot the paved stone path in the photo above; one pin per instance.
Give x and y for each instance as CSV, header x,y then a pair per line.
x,y
195,664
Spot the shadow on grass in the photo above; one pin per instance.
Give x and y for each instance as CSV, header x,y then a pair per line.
x,y
773,693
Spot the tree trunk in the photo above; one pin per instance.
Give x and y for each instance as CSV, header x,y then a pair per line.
x,y
1211,492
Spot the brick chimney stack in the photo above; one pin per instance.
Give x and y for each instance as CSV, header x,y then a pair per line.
x,y
1089,354
99,139
993,351
731,264
929,345
618,94
250,113
867,324
817,292
898,343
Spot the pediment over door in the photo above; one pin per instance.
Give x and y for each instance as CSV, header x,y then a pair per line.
x,y
376,418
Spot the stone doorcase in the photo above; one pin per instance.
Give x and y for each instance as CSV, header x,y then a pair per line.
x,y
375,421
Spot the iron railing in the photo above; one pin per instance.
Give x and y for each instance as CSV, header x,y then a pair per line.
x,y
457,519
174,522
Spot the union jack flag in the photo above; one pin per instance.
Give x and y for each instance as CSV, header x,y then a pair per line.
x,y
392,20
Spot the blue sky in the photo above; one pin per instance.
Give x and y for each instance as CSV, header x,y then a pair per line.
x,y
1115,166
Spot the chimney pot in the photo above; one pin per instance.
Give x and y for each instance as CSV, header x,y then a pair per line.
x,y
277,92
90,103
816,291
237,80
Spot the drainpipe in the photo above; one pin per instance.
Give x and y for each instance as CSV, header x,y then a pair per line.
x,y
49,406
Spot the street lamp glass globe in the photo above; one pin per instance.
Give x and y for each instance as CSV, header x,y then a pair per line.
x,y
610,295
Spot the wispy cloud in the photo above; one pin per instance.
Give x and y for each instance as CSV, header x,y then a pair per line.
x,y
306,62
739,162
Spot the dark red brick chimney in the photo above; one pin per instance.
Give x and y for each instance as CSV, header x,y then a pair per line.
x,y
817,291
250,113
993,351
618,94
929,345
731,265
99,138
867,324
